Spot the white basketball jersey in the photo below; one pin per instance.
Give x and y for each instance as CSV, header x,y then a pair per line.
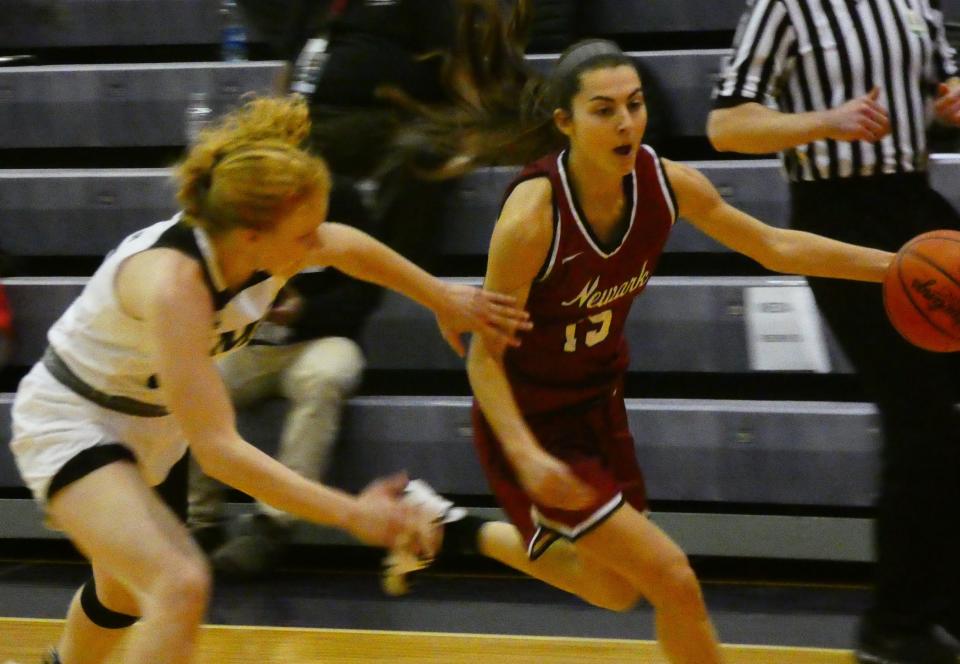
x,y
113,352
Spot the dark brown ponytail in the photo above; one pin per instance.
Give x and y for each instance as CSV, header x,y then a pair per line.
x,y
507,117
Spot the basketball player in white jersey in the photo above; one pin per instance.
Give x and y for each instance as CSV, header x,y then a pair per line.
x,y
129,381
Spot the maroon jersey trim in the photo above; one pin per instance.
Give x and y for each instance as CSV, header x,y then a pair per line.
x,y
574,211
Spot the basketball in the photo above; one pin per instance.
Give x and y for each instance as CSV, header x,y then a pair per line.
x,y
921,291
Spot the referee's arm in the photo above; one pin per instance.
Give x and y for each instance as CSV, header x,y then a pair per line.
x,y
755,129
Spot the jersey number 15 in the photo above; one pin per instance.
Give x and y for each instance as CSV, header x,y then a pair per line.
x,y
594,335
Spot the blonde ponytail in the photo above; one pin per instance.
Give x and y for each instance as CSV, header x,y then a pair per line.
x,y
248,169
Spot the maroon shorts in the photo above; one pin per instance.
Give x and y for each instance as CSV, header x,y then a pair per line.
x,y
594,440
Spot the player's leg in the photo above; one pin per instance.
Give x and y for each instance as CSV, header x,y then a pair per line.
x,y
561,565
97,620
612,566
623,559
137,544
102,609
464,534
614,542
629,544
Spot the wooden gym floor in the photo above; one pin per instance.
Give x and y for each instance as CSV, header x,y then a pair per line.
x,y
339,615
220,644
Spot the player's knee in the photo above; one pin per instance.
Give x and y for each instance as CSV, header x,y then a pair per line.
x,y
115,595
195,583
100,613
679,590
184,590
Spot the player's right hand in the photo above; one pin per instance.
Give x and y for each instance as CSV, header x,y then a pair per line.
x,y
383,519
495,316
550,482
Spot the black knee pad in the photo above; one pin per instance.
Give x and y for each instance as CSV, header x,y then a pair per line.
x,y
99,614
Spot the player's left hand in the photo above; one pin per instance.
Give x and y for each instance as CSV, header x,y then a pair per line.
x,y
947,104
492,315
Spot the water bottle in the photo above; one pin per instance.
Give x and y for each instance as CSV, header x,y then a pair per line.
x,y
233,33
197,116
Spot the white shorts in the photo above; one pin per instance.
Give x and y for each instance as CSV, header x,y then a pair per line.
x,y
52,424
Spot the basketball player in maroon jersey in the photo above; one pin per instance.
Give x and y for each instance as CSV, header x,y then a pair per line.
x,y
580,233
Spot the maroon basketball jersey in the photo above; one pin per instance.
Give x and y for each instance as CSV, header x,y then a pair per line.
x,y
580,300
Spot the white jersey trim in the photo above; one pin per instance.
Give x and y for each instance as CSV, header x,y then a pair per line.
x,y
209,257
664,187
557,229
573,532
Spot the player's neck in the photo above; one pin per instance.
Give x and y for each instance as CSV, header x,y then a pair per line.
x,y
593,185
233,259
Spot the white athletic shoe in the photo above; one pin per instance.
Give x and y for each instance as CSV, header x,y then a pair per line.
x,y
421,494
401,562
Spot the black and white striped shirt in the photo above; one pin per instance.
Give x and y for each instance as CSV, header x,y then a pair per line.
x,y
811,55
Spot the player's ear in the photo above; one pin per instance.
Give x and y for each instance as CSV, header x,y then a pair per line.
x,y
563,120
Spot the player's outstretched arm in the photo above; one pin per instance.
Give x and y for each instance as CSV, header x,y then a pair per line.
x,y
777,249
459,308
179,315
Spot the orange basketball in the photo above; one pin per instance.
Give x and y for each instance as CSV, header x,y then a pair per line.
x,y
921,291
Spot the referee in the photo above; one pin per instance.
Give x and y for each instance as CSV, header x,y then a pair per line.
x,y
846,90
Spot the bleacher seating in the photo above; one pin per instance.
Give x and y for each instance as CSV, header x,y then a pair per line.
x,y
125,105
681,324
694,450
83,212
81,23
615,17
143,104
430,438
806,458
32,24
733,440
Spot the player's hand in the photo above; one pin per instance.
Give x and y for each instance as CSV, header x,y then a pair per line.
x,y
383,519
492,315
550,482
947,103
860,119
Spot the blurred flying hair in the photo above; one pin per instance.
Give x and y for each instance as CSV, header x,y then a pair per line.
x,y
508,118
248,169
